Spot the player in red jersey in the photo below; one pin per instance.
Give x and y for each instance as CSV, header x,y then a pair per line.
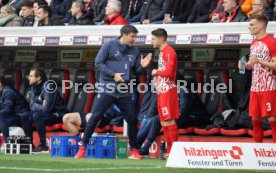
x,y
164,81
262,62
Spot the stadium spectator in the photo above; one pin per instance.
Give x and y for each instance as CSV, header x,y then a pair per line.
x,y
164,81
137,18
181,11
15,4
262,62
47,107
36,5
12,105
133,9
274,10
62,8
155,11
97,10
201,11
112,12
8,17
263,7
47,18
79,15
27,13
218,12
233,12
109,59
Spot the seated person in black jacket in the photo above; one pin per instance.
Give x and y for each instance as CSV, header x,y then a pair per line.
x,y
12,105
46,104
27,13
79,15
46,17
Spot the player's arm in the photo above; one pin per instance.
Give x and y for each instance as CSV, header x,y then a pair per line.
x,y
270,65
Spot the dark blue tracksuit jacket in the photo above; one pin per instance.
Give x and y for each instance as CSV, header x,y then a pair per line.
x,y
12,102
114,51
54,103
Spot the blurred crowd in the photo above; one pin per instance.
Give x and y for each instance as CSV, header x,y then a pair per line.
x,y
122,12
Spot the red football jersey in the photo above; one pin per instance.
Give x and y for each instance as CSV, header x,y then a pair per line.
x,y
166,72
263,78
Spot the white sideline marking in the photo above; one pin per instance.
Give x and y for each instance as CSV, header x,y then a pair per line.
x,y
80,169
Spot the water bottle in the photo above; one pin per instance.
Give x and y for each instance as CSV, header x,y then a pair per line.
x,y
243,63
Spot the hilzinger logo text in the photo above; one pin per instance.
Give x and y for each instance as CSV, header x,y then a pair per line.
x,y
235,152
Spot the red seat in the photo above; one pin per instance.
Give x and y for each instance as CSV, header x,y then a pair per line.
x,y
232,132
81,101
267,133
212,131
187,130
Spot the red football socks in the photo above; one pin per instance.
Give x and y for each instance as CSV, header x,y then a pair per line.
x,y
258,130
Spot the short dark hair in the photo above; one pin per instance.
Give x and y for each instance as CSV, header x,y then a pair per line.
x,y
41,2
127,29
259,17
27,3
80,4
160,32
46,9
39,73
2,80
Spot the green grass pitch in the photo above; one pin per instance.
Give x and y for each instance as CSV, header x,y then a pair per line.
x,y
44,163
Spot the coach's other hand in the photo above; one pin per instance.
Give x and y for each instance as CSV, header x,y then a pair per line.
x,y
118,77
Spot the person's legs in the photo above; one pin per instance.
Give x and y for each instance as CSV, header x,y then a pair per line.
x,y
255,113
4,127
100,104
41,119
154,130
143,131
127,106
71,121
26,121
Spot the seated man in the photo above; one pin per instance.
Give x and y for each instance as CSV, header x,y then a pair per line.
x,y
193,113
73,120
46,104
12,104
233,12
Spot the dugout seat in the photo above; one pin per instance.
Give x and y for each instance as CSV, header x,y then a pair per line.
x,y
79,99
58,76
212,98
13,78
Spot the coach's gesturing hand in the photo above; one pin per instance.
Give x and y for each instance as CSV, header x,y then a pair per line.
x,y
145,61
118,77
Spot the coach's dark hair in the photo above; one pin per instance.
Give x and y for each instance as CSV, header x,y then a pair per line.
x,y
160,32
127,29
27,3
46,9
39,73
2,80
260,18
41,3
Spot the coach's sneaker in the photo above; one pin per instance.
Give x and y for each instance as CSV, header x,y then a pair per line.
x,y
41,149
134,154
165,156
81,153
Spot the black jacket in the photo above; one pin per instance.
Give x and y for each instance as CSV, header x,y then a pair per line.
x,y
182,9
53,21
43,100
82,20
28,21
156,9
239,16
12,102
62,8
97,10
201,11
